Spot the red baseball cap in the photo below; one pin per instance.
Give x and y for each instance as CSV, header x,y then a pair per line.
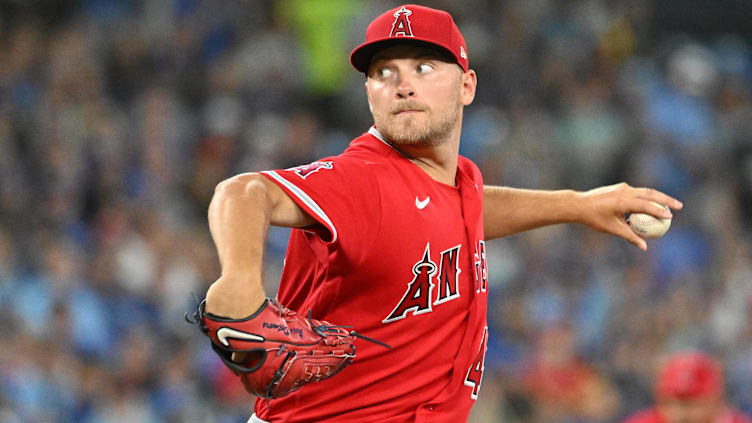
x,y
689,375
414,24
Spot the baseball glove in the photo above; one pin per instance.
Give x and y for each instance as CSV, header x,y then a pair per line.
x,y
276,350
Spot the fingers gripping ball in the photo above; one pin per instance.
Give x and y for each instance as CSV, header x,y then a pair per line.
x,y
648,226
277,350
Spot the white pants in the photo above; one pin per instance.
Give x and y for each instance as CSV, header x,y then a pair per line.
x,y
255,419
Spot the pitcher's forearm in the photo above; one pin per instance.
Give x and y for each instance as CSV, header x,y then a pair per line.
x,y
239,217
507,211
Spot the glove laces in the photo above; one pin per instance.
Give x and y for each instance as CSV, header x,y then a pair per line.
x,y
325,330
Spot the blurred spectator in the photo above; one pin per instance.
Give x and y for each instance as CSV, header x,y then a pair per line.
x,y
562,387
689,389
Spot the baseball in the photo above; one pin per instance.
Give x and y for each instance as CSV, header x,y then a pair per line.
x,y
648,226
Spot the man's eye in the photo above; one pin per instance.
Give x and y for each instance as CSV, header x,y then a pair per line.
x,y
385,73
424,67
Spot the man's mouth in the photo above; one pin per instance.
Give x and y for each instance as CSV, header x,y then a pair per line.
x,y
407,108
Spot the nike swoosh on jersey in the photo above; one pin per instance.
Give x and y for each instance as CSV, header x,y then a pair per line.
x,y
422,204
224,333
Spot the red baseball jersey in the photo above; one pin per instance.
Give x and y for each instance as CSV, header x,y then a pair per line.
x,y
401,258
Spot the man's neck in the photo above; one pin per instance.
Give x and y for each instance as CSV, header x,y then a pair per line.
x,y
438,161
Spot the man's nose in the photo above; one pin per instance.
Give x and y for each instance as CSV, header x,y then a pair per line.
x,y
405,88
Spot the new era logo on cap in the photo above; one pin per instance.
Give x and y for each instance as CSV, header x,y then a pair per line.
x,y
414,24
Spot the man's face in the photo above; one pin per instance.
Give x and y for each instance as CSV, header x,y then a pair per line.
x,y
691,410
416,95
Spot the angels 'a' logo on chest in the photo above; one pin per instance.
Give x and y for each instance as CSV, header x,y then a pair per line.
x,y
432,284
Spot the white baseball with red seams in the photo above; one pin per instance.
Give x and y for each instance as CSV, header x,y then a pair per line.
x,y
648,226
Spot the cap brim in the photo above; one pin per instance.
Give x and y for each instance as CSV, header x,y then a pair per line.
x,y
361,56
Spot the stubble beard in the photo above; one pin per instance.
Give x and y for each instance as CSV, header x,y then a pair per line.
x,y
400,130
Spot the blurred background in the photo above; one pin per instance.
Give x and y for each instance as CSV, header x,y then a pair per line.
x,y
118,118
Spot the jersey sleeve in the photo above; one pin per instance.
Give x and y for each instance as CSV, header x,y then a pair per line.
x,y
341,193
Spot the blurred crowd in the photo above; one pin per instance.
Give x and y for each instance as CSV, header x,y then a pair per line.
x,y
117,119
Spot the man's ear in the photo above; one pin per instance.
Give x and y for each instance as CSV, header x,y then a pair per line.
x,y
469,81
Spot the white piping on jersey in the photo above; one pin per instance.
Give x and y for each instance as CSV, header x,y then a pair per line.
x,y
255,419
375,132
308,201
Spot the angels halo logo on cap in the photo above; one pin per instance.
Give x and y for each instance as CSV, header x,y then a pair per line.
x,y
401,25
415,24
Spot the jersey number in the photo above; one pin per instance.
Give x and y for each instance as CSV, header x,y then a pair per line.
x,y
475,372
